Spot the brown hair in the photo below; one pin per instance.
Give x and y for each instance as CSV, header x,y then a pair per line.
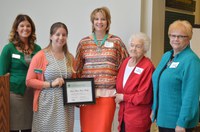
x,y
68,55
105,12
14,36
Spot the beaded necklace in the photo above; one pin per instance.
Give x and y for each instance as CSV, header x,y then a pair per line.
x,y
26,51
98,42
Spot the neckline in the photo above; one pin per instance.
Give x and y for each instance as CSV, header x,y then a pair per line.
x,y
97,42
21,52
58,58
57,62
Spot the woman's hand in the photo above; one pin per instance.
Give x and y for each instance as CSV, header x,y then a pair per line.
x,y
119,98
151,115
179,129
58,82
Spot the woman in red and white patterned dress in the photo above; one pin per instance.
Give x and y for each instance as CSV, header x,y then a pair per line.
x,y
99,56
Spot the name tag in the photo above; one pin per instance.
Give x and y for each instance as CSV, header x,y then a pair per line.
x,y
108,44
16,56
138,70
174,65
38,71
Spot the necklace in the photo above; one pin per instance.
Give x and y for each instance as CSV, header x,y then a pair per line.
x,y
98,43
57,63
26,51
170,61
23,50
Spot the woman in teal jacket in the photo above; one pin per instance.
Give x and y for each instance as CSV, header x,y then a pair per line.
x,y
176,84
15,59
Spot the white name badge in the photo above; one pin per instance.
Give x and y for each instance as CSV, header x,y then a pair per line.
x,y
16,56
109,44
138,70
174,65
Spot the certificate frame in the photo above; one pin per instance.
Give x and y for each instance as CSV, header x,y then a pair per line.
x,y
79,91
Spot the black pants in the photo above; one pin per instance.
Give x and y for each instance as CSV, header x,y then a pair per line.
x,y
162,129
28,130
123,127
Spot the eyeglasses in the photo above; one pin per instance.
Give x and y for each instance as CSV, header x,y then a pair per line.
x,y
181,37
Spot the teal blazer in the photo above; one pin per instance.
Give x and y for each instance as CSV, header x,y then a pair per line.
x,y
176,90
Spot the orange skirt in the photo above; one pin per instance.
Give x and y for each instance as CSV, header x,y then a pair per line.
x,y
98,117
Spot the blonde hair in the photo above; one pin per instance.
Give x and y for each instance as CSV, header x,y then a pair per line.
x,y
182,25
105,12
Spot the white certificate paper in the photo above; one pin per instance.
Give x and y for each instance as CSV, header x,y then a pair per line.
x,y
79,91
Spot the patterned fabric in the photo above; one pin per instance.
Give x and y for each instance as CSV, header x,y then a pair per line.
x,y
52,115
101,65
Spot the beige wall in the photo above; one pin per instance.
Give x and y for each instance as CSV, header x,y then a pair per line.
x,y
152,23
197,12
158,22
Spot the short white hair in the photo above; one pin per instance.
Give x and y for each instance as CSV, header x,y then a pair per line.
x,y
143,37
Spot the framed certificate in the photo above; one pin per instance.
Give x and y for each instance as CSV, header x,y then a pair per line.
x,y
79,91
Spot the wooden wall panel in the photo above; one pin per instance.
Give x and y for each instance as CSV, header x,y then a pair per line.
x,y
4,103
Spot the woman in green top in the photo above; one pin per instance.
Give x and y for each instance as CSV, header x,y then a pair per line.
x,y
15,59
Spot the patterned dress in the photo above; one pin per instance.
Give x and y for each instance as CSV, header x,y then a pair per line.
x,y
102,64
52,115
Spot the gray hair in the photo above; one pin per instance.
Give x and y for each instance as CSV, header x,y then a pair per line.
x,y
143,37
